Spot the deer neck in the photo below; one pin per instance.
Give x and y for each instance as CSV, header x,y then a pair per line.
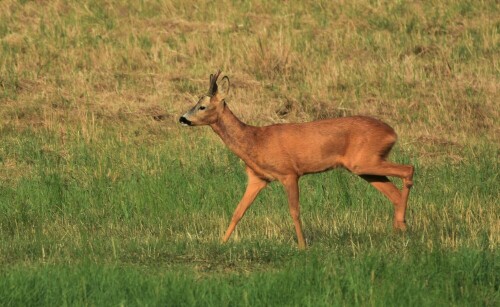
x,y
237,135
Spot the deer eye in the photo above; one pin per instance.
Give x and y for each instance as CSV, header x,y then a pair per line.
x,y
202,108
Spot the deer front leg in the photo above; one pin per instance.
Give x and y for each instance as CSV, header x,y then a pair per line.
x,y
291,185
254,186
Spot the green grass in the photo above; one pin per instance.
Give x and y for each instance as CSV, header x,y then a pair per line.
x,y
306,279
114,223
106,201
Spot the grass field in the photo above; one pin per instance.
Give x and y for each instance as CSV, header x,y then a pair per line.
x,y
106,201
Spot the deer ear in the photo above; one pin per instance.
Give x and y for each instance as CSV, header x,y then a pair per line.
x,y
223,87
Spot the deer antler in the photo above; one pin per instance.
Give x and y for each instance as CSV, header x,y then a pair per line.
x,y
213,83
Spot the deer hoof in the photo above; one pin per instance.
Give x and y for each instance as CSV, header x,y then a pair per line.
x,y
399,225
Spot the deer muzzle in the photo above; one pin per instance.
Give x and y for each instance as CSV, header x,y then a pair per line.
x,y
184,121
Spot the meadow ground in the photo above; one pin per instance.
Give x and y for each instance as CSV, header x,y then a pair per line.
x,y
105,200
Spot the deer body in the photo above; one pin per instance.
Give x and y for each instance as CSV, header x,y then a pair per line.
x,y
284,152
283,149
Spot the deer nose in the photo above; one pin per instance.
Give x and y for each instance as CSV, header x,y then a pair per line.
x,y
184,121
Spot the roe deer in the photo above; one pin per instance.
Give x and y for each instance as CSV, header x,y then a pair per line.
x,y
284,152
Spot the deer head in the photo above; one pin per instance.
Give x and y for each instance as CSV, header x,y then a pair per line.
x,y
210,105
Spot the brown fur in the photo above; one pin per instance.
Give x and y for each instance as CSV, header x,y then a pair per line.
x,y
284,152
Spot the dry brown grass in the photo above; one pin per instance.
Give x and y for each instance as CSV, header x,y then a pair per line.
x,y
430,70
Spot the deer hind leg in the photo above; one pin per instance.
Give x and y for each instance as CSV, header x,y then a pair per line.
x,y
292,189
377,172
386,187
254,186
